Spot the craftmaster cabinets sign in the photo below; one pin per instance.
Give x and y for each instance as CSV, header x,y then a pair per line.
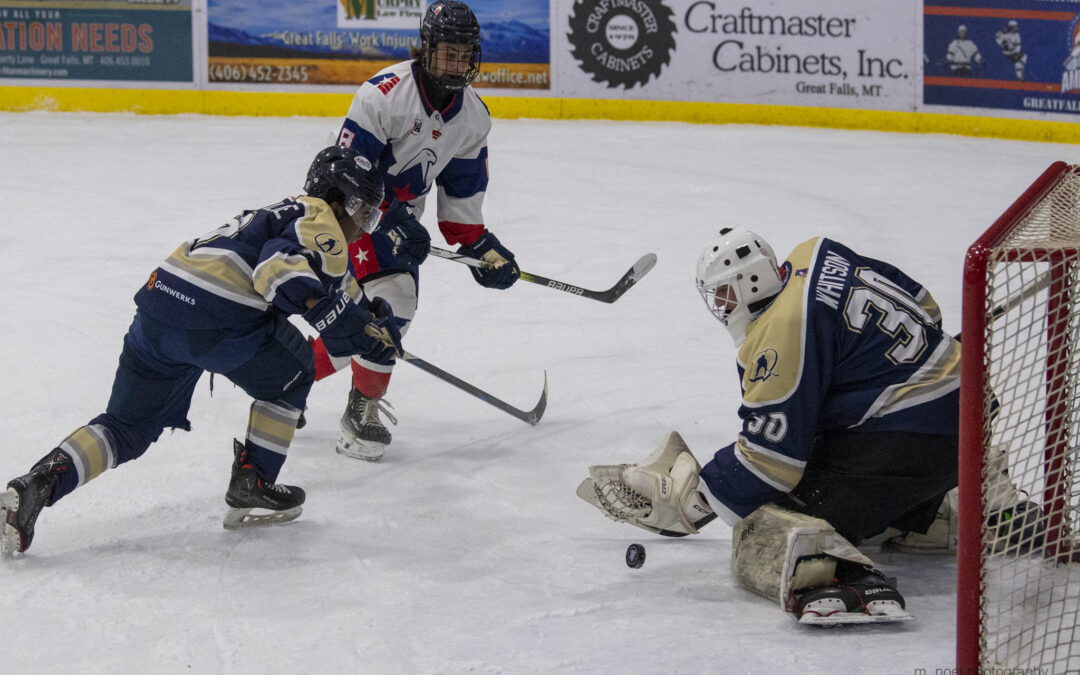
x,y
145,40
1011,54
345,42
785,52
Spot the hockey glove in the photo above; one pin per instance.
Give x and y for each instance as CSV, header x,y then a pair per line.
x,y
385,332
344,324
411,240
501,271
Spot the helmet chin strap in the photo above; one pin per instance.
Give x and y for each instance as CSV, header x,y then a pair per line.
x,y
437,94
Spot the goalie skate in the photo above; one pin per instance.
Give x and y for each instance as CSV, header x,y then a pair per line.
x,y
867,597
255,502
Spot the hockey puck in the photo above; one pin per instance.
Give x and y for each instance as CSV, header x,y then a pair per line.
x,y
635,555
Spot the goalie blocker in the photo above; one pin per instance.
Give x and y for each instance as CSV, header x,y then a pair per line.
x,y
799,561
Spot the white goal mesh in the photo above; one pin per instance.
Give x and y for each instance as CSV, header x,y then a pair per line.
x,y
1019,587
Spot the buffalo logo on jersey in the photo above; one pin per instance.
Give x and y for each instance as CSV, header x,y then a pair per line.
x,y
764,365
622,43
328,244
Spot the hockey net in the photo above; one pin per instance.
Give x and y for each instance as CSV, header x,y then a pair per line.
x,y
1018,590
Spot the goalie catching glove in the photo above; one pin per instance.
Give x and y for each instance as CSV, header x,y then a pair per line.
x,y
347,327
659,494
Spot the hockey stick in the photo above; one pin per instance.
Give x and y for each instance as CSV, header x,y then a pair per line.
x,y
1034,286
1037,284
529,416
632,276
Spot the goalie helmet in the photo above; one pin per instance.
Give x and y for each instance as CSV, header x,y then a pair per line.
x,y
450,22
345,176
737,275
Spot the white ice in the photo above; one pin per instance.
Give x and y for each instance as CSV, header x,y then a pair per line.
x,y
466,550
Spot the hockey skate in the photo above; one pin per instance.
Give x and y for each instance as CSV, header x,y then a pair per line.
x,y
363,435
862,595
248,491
20,505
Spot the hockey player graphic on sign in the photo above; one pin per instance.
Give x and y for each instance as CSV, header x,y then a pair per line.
x,y
850,422
426,128
1009,41
962,53
221,303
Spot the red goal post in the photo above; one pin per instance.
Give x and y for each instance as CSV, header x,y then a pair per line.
x,y
1018,587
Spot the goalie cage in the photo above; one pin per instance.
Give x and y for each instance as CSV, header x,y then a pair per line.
x,y
1018,581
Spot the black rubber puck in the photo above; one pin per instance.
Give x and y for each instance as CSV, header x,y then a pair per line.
x,y
635,555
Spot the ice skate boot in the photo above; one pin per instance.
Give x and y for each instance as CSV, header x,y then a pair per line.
x,y
363,435
861,594
248,491
20,505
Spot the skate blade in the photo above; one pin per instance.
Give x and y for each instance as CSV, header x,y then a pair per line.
x,y
9,536
242,519
883,612
350,446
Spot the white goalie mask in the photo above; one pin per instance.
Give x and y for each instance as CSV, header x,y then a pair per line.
x,y
737,275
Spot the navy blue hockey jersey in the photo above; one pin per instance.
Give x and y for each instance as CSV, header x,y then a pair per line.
x,y
276,257
850,343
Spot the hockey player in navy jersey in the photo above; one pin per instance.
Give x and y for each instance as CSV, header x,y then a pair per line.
x,y
424,127
221,303
850,423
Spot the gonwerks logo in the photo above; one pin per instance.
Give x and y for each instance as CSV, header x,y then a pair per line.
x,y
622,42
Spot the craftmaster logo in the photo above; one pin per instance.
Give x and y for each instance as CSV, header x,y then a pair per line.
x,y
622,42
380,13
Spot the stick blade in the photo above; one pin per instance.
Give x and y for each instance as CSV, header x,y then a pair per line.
x,y
639,269
534,415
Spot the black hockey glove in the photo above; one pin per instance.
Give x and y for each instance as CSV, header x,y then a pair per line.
x,y
411,239
349,328
501,272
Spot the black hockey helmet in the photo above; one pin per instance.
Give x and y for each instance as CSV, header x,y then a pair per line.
x,y
345,176
450,21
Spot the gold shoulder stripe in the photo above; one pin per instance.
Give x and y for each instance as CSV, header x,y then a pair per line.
x,y
319,231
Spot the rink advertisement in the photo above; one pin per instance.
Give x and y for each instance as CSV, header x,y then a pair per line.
x,y
788,52
1003,54
90,40
345,42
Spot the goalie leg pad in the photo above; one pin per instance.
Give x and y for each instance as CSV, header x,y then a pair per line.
x,y
778,553
659,494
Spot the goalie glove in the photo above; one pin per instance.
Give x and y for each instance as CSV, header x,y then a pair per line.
x,y
659,494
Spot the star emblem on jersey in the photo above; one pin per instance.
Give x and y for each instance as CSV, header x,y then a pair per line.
x,y
764,365
328,244
623,43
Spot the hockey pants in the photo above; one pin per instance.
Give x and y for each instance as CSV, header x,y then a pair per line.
x,y
159,368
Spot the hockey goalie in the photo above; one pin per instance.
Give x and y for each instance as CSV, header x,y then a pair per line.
x,y
849,430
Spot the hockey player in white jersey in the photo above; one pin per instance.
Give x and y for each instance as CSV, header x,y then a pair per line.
x,y
962,53
426,128
850,428
1011,48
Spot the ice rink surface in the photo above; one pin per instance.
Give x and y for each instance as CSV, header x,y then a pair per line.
x,y
466,550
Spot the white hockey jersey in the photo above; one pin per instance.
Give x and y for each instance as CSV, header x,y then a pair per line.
x,y
391,122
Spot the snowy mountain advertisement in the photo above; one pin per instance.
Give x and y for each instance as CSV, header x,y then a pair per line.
x,y
95,40
1021,55
345,42
781,52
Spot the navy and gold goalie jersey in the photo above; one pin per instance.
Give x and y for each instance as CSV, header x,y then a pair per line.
x,y
850,344
271,259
